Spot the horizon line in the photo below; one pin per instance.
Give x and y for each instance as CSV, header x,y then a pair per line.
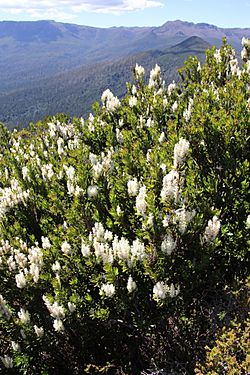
x,y
110,27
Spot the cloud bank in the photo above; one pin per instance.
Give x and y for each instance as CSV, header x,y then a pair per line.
x,y
68,9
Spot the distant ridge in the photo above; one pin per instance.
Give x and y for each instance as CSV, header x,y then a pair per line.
x,y
28,31
191,44
39,49
44,53
74,91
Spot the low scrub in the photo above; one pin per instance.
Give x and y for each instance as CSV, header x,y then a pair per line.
x,y
120,234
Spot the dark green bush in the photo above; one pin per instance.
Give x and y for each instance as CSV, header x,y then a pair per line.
x,y
120,234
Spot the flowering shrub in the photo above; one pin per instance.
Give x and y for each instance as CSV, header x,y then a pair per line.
x,y
116,230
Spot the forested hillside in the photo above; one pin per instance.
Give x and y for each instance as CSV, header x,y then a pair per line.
x,y
41,61
75,92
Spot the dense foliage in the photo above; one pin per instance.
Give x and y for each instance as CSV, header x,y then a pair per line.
x,y
121,234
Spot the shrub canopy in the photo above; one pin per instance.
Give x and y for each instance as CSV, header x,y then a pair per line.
x,y
117,231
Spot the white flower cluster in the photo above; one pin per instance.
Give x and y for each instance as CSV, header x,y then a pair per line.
x,y
12,196
149,123
212,229
56,267
162,137
119,136
175,106
132,101
154,76
28,156
25,173
27,261
248,222
171,88
101,165
92,191
245,53
66,248
108,247
73,188
35,263
162,291
217,56
171,182
57,312
180,151
45,243
15,346
20,280
134,190
139,71
39,331
71,307
4,310
60,146
133,187
183,217
107,290
47,172
141,204
70,172
234,66
58,325
57,129
170,188
61,138
188,111
248,67
150,220
110,101
15,146
24,316
85,249
131,285
91,123
168,245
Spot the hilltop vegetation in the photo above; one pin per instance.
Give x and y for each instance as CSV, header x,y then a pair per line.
x,y
124,236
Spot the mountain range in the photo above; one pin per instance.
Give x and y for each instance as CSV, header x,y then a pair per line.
x,y
48,67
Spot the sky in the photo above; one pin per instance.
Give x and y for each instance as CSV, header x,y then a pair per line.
x,y
108,13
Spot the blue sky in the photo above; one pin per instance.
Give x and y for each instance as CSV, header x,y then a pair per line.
x,y
107,13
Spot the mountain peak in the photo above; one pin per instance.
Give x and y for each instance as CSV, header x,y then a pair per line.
x,y
193,42
181,23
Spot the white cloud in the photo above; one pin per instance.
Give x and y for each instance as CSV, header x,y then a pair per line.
x,y
67,9
117,6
